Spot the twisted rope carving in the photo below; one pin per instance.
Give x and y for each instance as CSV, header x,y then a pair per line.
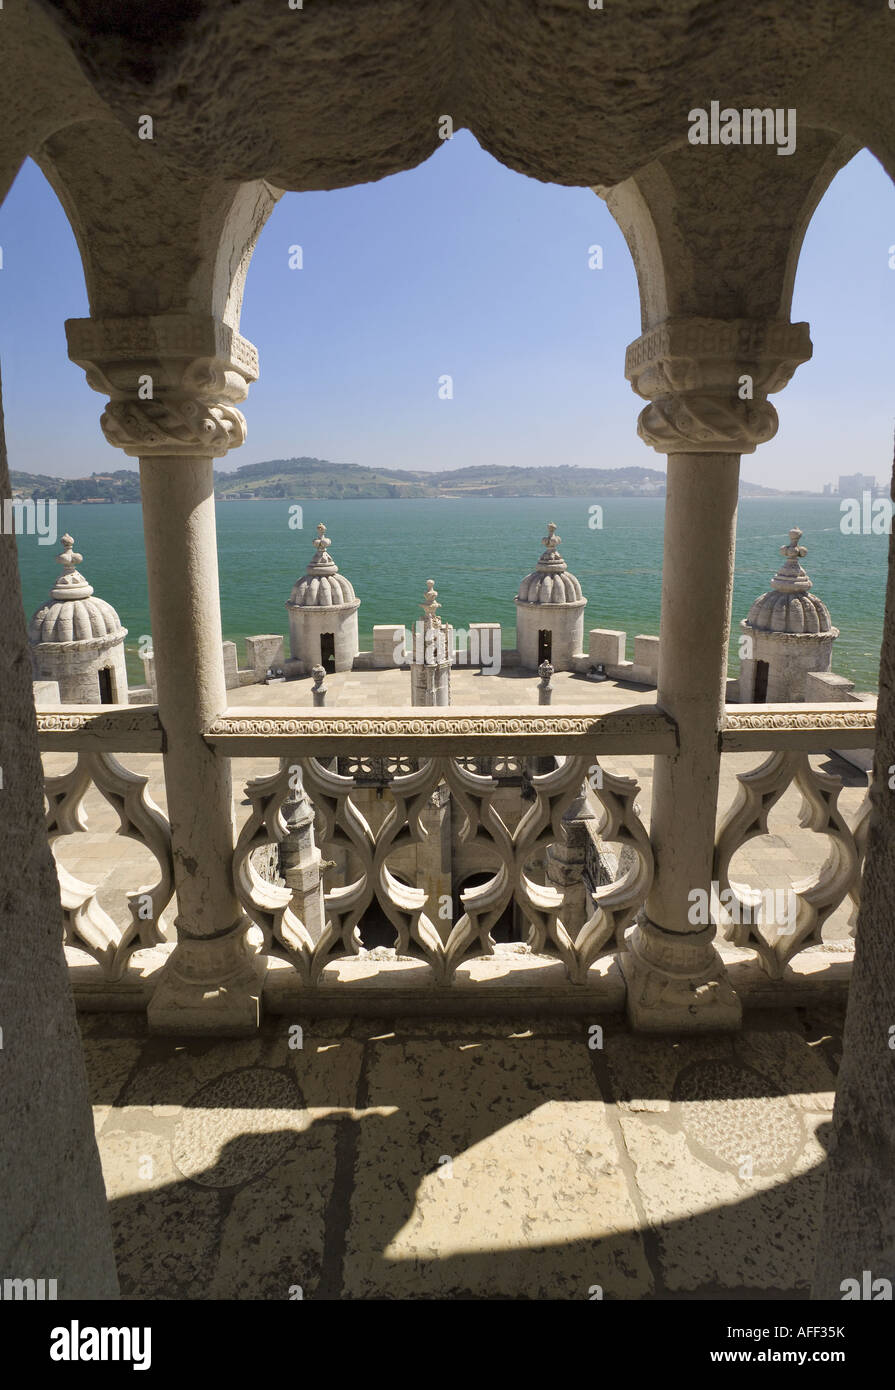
x,y
180,427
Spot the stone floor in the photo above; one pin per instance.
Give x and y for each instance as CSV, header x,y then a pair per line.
x,y
417,1159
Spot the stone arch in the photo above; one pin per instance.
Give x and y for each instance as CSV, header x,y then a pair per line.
x,y
354,90
153,240
682,218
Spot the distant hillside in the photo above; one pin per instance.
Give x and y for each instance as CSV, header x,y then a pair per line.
x,y
309,478
121,486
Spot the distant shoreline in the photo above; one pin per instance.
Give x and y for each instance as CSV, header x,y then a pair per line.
x,y
320,480
598,495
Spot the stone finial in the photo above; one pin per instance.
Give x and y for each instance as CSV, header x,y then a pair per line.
x,y
545,671
791,578
321,545
318,689
69,557
551,560
430,605
70,584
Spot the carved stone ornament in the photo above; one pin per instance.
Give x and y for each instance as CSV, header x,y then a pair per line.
x,y
707,381
173,381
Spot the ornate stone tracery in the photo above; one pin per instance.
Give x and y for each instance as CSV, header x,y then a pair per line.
x,y
577,938
87,925
815,897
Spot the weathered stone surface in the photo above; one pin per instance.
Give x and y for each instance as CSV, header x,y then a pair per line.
x,y
859,1219
716,1229
53,1221
534,1202
561,92
798,1069
273,1237
643,1070
327,1172
166,1229
237,1127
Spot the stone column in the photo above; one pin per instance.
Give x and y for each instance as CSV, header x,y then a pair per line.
x,y
707,381
857,1239
54,1218
173,381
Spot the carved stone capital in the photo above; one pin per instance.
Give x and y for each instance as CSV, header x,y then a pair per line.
x,y
172,379
707,381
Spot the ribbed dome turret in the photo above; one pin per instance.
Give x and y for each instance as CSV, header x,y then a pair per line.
x,y
788,606
551,580
321,585
73,614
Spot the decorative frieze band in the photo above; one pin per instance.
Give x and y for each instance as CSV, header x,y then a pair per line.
x,y
173,381
244,733
808,727
708,379
117,729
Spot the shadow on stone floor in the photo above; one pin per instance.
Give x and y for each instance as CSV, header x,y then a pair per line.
x,y
176,1243
472,1159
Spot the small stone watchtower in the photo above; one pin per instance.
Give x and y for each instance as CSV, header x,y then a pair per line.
x,y
322,615
550,611
77,640
789,632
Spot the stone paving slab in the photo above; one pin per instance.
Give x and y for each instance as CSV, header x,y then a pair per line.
x,y
471,1158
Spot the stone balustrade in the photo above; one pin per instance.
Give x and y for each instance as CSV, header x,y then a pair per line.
x,y
349,813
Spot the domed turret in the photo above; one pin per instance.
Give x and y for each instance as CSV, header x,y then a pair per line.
x,y
77,639
322,615
788,633
550,610
788,606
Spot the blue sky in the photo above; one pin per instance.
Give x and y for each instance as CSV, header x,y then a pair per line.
x,y
461,267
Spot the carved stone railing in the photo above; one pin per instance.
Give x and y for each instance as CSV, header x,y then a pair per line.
x,y
779,925
543,862
86,923
342,828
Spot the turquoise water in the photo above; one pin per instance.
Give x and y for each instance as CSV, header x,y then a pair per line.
x,y
477,552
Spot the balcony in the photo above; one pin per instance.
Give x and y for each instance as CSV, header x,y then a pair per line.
x,y
571,856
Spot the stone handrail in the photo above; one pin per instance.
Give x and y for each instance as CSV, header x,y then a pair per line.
x,y
464,731
473,732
